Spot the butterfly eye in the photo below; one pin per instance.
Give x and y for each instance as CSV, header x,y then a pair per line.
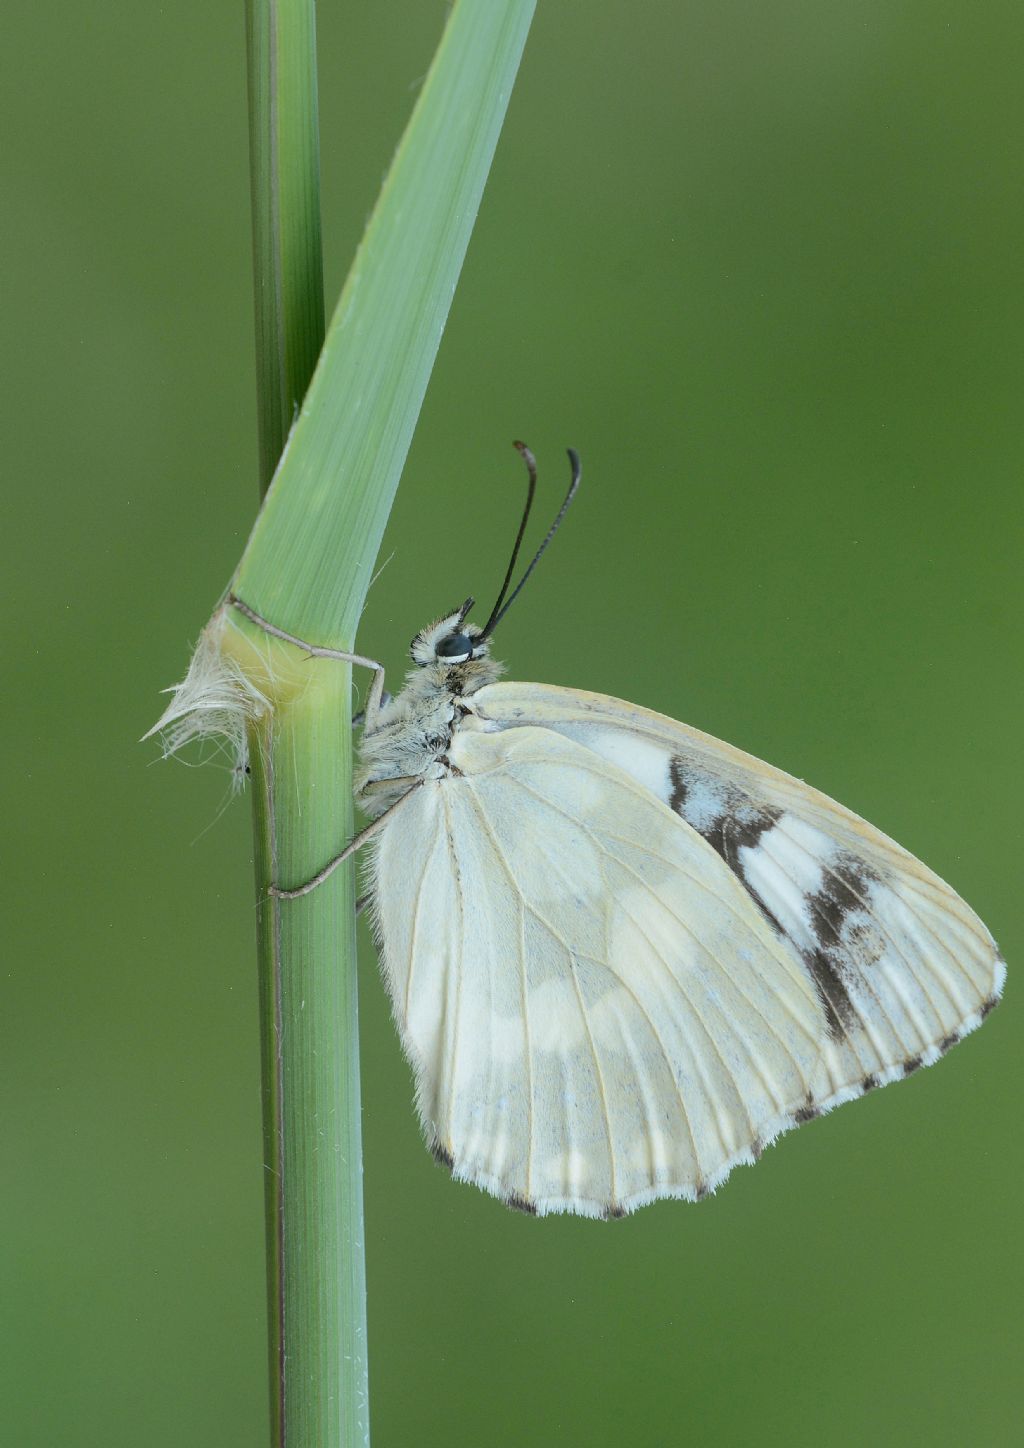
x,y
455,648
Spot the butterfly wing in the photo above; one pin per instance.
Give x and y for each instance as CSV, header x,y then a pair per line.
x,y
596,1010
903,968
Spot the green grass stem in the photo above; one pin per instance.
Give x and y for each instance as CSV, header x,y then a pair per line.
x,y
284,156
306,569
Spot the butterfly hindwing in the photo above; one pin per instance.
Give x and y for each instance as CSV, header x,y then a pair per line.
x,y
901,965
596,1011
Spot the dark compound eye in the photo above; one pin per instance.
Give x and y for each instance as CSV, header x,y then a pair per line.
x,y
455,648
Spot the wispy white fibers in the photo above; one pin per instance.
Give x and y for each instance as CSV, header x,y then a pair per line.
x,y
215,700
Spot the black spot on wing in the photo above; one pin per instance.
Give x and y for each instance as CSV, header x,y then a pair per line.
x,y
737,825
742,829
521,1204
808,1112
840,896
442,1155
740,825
680,789
833,910
840,1013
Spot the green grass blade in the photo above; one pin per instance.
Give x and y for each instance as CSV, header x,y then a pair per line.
x,y
309,560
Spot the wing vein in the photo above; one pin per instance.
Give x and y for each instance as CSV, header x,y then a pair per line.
x,y
658,955
600,1076
457,965
802,811
725,762
524,906
794,968
702,1023
662,1049
678,918
556,935
415,926
528,1046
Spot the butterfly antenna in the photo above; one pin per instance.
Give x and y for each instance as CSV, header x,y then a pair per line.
x,y
531,469
499,611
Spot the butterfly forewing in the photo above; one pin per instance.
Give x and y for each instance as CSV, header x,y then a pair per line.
x,y
903,968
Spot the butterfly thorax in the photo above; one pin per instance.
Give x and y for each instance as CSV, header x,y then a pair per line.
x,y
412,733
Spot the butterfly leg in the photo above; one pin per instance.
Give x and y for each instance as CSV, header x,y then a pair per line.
x,y
374,700
359,719
355,843
315,651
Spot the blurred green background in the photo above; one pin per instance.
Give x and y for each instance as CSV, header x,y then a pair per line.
x,y
762,266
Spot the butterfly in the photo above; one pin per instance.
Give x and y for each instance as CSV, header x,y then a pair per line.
x,y
623,956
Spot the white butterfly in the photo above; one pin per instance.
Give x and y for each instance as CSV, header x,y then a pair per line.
x,y
622,955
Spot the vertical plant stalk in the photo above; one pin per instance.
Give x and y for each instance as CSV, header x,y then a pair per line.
x,y
284,160
311,1099
316,1287
306,570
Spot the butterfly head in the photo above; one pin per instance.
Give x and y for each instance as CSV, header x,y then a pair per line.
x,y
451,640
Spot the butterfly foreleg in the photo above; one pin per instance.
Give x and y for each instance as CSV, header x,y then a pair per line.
x,y
374,698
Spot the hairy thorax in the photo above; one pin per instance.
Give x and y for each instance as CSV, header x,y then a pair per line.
x,y
410,739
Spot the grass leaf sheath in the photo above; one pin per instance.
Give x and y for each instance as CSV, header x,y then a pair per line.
x,y
306,569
